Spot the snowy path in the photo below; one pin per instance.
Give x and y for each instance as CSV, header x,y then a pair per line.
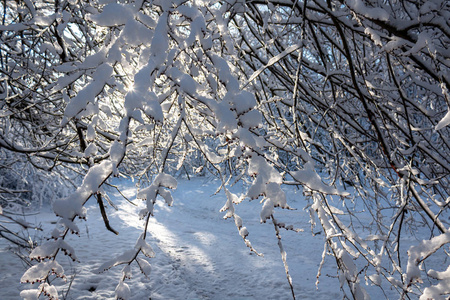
x,y
198,254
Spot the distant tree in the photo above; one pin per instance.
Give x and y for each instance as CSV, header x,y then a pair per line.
x,y
347,99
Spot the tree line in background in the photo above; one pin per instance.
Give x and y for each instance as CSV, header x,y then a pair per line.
x,y
348,100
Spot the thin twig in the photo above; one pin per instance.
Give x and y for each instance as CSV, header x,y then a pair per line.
x,y
104,216
283,256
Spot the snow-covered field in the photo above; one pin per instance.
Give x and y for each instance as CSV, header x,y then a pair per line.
x,y
199,255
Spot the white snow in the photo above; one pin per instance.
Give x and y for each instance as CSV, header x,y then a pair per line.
x,y
72,206
135,34
444,122
123,291
31,294
375,13
224,73
146,249
188,84
192,252
91,150
89,92
113,14
48,249
160,42
251,119
241,102
273,61
197,27
38,272
311,179
198,254
442,288
421,251
374,36
225,116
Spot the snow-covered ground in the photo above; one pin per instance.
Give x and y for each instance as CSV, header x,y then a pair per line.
x,y
199,255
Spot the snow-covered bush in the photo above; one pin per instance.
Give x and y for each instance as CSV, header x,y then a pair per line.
x,y
24,187
347,99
